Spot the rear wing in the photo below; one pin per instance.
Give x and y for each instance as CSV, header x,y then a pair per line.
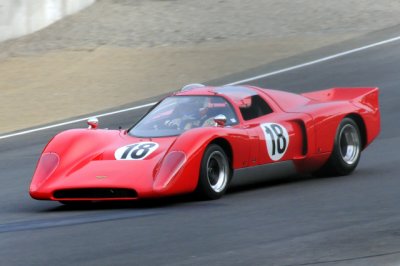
x,y
366,96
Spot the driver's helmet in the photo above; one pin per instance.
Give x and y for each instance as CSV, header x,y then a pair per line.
x,y
194,107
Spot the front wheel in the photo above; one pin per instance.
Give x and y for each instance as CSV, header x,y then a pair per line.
x,y
346,151
215,173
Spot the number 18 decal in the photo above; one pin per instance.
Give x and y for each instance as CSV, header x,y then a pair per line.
x,y
135,151
277,140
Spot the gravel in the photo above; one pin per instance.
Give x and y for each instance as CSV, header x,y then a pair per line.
x,y
149,23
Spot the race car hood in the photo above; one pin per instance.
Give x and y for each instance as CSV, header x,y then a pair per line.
x,y
99,159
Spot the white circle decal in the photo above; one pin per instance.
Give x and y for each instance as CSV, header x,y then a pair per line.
x,y
277,140
135,151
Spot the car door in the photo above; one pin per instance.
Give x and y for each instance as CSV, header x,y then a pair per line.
x,y
280,136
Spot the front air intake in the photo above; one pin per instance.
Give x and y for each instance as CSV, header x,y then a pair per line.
x,y
95,193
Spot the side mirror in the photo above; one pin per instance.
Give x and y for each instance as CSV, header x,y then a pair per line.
x,y
93,122
220,120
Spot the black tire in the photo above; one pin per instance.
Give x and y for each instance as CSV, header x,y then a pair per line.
x,y
346,150
215,173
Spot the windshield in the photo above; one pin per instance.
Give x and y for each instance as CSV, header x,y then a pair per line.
x,y
176,114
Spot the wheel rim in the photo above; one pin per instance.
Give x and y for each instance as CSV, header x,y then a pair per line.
x,y
217,171
349,141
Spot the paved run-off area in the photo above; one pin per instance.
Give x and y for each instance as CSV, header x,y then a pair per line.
x,y
119,51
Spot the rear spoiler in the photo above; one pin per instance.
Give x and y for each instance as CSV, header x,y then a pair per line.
x,y
366,96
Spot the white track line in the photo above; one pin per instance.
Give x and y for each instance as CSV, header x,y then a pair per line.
x,y
324,59
316,61
75,121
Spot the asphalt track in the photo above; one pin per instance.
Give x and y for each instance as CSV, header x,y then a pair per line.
x,y
301,220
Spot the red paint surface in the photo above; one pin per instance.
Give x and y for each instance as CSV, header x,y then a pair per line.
x,y
86,157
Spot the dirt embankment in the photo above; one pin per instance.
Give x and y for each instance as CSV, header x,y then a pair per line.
x,y
119,51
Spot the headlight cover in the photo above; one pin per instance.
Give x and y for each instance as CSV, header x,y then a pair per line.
x,y
170,166
47,164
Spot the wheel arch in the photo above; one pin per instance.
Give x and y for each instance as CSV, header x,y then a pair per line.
x,y
226,146
361,125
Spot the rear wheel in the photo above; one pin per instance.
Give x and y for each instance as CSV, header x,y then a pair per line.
x,y
346,151
215,173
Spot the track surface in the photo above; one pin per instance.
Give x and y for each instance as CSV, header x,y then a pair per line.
x,y
351,220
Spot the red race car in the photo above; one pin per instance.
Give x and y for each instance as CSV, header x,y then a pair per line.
x,y
204,139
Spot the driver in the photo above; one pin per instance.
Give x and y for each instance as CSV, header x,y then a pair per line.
x,y
189,115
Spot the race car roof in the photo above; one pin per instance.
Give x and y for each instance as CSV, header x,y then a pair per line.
x,y
236,93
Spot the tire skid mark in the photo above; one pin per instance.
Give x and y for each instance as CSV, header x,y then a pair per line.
x,y
69,221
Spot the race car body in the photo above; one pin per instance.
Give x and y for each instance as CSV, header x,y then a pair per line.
x,y
203,139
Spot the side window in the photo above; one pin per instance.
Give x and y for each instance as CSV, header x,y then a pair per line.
x,y
253,107
219,105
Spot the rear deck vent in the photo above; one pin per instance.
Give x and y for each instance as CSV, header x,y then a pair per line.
x,y
95,193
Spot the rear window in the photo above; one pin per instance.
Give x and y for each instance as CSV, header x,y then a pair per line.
x,y
253,107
